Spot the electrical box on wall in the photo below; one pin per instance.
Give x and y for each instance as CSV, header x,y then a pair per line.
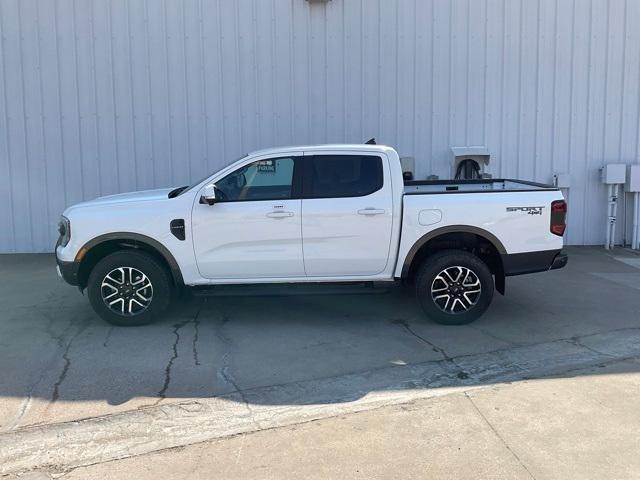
x,y
613,173
479,158
633,179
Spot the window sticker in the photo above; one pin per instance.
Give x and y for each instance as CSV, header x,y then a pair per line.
x,y
267,166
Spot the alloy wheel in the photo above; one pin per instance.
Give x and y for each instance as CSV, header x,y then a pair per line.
x,y
456,289
126,291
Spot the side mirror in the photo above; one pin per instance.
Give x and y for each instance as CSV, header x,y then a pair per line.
x,y
209,194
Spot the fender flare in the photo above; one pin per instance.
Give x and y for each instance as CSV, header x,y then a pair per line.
x,y
134,239
415,248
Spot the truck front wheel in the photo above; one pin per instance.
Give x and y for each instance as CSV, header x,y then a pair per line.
x,y
129,288
454,287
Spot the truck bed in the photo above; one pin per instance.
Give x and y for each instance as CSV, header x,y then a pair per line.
x,y
420,187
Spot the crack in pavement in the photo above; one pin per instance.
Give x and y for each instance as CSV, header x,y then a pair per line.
x,y
402,322
194,349
108,336
224,373
59,339
497,434
576,341
167,368
196,333
67,364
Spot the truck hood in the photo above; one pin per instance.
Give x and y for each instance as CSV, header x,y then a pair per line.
x,y
142,196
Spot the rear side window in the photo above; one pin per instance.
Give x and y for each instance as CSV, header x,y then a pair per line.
x,y
330,176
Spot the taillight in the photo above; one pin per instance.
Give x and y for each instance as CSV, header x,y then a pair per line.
x,y
558,217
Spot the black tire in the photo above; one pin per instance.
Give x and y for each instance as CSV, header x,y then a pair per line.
x,y
131,261
468,305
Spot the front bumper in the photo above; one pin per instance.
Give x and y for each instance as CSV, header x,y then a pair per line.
x,y
68,271
532,262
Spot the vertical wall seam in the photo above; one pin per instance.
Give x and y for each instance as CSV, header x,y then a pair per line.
x,y
345,128
485,69
432,90
555,85
43,126
587,124
414,78
257,105
187,93
450,71
203,81
521,39
572,67
467,71
60,116
25,126
624,71
637,156
221,86
14,246
537,95
168,77
132,97
94,77
292,82
379,99
502,83
275,111
238,87
605,85
150,95
113,98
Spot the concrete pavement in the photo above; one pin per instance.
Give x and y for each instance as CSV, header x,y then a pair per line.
x,y
246,364
580,427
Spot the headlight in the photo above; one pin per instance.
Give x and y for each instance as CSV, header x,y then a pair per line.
x,y
64,229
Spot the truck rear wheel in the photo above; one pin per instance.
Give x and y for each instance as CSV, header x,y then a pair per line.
x,y
454,287
129,288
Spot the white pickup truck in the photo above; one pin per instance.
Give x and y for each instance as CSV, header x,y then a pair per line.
x,y
325,213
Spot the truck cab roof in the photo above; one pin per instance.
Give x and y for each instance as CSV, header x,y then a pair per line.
x,y
323,147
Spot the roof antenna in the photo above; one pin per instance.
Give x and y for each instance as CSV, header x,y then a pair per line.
x,y
371,141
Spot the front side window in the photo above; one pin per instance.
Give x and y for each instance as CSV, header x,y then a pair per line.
x,y
270,179
331,176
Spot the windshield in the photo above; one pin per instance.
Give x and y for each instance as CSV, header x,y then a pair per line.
x,y
180,190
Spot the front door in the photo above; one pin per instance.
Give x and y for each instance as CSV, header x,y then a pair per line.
x,y
254,228
346,214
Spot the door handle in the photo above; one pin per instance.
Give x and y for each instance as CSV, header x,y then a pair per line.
x,y
371,211
279,214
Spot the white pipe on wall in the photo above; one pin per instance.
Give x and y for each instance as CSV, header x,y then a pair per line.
x,y
607,242
636,221
614,213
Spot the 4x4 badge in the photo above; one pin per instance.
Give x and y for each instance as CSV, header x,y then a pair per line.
x,y
528,210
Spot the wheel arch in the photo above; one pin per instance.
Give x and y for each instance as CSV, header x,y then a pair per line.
x,y
99,247
485,244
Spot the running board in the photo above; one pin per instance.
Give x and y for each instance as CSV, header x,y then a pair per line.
x,y
289,289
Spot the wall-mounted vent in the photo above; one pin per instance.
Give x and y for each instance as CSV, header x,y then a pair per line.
x,y
177,228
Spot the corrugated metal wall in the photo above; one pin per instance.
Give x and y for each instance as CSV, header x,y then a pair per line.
x,y
104,96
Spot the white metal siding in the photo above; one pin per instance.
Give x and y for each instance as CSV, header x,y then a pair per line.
x,y
106,96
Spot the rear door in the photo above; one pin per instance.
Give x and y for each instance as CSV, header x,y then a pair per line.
x,y
346,214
